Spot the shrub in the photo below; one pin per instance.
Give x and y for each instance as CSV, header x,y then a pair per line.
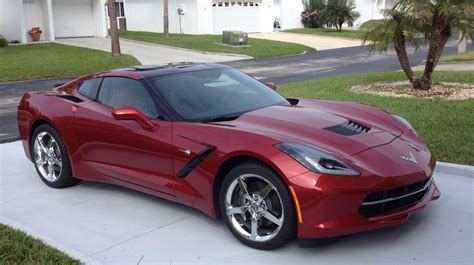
x,y
3,42
312,16
338,12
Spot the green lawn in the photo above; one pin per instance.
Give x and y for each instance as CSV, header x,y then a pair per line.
x,y
38,61
467,56
345,33
17,247
207,43
446,126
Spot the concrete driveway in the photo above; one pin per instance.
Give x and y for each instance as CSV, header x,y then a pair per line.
x,y
101,223
319,43
151,53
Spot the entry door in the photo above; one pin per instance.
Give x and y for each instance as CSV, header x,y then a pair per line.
x,y
73,18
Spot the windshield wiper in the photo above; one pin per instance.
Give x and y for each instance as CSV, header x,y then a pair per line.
x,y
221,118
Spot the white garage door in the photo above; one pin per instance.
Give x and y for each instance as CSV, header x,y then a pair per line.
x,y
72,18
238,15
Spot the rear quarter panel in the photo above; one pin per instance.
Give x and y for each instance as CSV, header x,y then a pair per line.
x,y
45,107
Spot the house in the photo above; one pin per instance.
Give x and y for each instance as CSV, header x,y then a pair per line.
x,y
371,9
57,18
87,18
213,16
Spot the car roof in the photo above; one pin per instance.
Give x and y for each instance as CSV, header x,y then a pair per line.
x,y
147,71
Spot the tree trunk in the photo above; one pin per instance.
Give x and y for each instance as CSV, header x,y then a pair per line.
x,y
166,25
440,35
114,34
462,45
402,55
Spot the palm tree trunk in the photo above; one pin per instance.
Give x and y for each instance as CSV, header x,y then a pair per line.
x,y
166,25
402,55
440,35
114,34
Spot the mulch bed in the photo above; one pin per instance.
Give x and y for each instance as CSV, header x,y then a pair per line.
x,y
448,91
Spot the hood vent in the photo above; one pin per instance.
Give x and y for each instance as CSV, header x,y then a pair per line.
x,y
349,128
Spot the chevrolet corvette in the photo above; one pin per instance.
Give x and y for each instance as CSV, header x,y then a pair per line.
x,y
213,138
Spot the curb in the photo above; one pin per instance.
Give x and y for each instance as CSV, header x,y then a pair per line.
x,y
86,259
38,80
455,169
316,35
243,56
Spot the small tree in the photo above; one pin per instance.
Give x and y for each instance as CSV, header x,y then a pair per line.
x,y
414,22
312,16
338,12
114,34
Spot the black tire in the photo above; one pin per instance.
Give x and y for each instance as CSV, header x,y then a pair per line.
x,y
288,228
65,178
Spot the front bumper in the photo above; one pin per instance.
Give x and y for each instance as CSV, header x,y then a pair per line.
x,y
330,206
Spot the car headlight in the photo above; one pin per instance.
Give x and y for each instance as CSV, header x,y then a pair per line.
x,y
404,121
316,160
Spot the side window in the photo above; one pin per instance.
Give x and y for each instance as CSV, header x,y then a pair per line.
x,y
124,92
89,88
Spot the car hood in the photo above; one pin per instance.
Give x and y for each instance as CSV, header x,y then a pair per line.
x,y
339,128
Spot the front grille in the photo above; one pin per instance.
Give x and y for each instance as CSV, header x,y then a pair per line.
x,y
389,200
348,128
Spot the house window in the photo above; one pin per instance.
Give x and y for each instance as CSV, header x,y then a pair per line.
x,y
119,7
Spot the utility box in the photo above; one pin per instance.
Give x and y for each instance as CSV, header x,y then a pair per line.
x,y
235,38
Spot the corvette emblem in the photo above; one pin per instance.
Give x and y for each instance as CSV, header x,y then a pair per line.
x,y
410,158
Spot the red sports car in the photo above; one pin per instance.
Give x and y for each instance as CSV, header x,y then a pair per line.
x,y
213,138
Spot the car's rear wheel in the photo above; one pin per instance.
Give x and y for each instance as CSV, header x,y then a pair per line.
x,y
256,206
50,157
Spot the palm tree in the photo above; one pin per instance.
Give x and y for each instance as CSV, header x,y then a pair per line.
x,y
166,23
415,22
338,12
114,34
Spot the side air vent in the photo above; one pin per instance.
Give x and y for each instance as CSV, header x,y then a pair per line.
x,y
70,98
349,128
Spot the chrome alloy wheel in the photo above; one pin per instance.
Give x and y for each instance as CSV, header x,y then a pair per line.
x,y
47,156
254,207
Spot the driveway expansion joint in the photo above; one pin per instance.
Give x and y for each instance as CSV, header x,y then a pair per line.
x,y
142,234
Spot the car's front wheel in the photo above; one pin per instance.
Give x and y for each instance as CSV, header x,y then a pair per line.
x,y
51,158
257,207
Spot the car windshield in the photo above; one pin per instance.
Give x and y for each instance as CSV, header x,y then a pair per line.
x,y
214,95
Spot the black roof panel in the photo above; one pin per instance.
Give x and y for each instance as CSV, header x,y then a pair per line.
x,y
169,69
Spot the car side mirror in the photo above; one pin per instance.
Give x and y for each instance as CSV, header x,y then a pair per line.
x,y
130,113
272,86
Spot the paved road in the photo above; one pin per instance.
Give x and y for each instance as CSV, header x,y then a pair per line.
x,y
279,70
101,223
313,65
10,95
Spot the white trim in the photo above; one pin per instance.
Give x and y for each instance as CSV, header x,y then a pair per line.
x,y
50,24
21,18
